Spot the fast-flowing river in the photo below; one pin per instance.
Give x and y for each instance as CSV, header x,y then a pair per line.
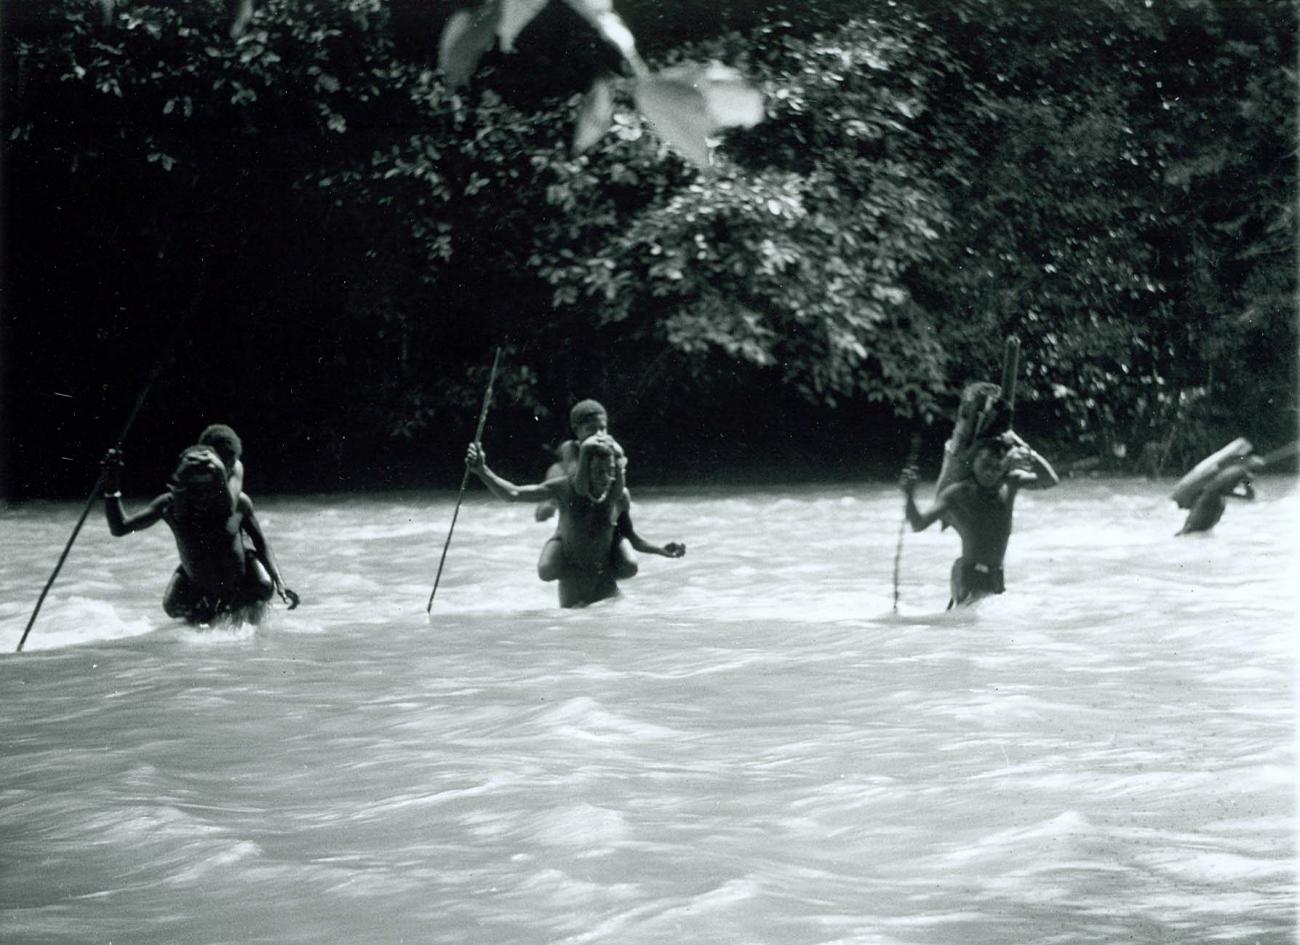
x,y
748,747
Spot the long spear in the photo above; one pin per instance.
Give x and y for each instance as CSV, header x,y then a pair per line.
x,y
464,481
163,359
1010,370
94,492
913,452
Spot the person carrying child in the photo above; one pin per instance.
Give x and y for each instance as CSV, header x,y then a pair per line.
x,y
1209,505
216,574
980,508
593,543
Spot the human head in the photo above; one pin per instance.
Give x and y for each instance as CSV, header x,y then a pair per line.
x,y
587,417
199,469
988,463
226,443
601,470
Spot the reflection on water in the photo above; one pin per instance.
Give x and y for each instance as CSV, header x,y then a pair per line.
x,y
749,747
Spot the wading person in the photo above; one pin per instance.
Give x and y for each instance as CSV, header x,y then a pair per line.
x,y
980,507
1209,505
594,543
587,419
217,574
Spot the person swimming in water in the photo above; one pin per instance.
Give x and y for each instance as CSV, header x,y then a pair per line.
x,y
217,574
591,550
980,507
1209,505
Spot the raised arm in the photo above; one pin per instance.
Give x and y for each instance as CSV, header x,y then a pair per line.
x,y
476,460
1230,479
119,523
915,517
1035,472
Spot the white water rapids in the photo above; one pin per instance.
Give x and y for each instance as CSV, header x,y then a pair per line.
x,y
748,747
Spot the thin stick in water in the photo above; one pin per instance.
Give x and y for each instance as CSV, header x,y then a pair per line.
x,y
90,500
163,360
913,451
464,480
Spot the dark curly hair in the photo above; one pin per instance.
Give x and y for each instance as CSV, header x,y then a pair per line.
x,y
225,441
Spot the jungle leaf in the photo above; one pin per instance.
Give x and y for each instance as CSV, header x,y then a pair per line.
x,y
679,113
600,14
243,14
466,37
515,15
594,116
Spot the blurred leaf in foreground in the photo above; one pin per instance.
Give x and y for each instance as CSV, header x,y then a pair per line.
x,y
466,37
515,15
595,115
687,104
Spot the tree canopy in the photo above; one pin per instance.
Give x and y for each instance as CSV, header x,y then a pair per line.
x,y
1113,182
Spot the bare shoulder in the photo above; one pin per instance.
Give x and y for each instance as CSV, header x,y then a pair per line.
x,y
160,505
958,492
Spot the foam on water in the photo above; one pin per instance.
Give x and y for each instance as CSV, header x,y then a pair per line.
x,y
750,746
74,620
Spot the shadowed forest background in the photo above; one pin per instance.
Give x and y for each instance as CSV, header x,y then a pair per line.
x,y
337,241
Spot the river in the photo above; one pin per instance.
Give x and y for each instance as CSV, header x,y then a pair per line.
x,y
748,747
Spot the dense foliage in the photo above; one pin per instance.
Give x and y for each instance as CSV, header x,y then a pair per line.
x,y
1113,182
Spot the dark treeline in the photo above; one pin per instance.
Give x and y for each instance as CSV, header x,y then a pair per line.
x,y
338,242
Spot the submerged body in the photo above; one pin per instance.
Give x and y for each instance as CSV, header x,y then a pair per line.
x,y
1209,505
581,556
982,517
594,542
980,508
217,573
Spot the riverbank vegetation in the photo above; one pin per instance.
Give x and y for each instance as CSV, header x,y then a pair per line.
x,y
345,238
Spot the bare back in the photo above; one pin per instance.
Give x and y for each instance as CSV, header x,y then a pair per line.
x,y
210,547
982,518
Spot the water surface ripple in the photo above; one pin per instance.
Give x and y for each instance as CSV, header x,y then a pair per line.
x,y
749,747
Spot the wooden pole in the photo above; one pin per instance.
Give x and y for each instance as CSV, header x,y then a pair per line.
x,y
163,359
94,495
464,480
1010,370
914,451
